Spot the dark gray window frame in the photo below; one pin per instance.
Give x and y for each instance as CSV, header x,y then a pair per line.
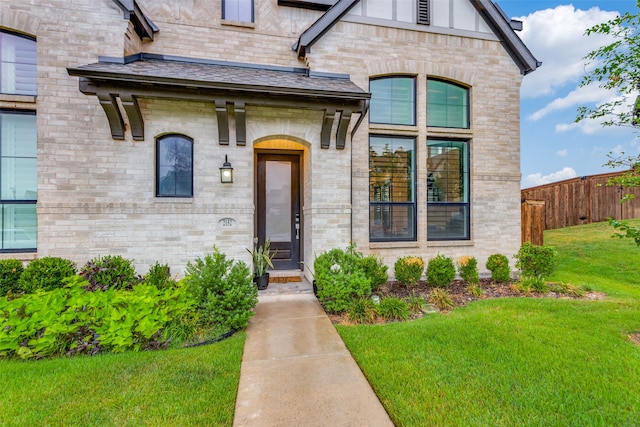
x,y
26,37
14,202
415,96
468,91
159,140
467,237
414,203
224,14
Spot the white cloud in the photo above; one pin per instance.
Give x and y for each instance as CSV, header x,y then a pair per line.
x,y
592,126
556,37
536,179
580,96
562,153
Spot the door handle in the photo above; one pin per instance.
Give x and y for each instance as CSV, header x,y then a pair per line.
x,y
297,226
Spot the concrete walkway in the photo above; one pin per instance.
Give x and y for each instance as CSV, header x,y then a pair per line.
x,y
296,371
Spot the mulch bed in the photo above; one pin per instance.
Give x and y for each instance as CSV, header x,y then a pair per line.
x,y
461,296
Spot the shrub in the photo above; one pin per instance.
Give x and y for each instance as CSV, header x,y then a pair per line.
x,y
536,261
408,270
71,320
441,299
535,283
416,303
468,270
375,270
340,277
223,289
159,276
567,289
109,271
45,274
475,290
440,271
393,308
362,310
10,271
498,264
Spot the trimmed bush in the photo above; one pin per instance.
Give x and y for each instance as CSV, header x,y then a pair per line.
x,y
45,274
408,270
375,270
341,277
468,270
109,271
536,261
10,271
498,264
440,271
223,289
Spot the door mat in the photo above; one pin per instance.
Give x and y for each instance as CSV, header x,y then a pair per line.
x,y
284,279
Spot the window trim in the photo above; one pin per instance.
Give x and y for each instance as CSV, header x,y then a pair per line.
x,y
159,140
413,77
467,203
455,84
414,189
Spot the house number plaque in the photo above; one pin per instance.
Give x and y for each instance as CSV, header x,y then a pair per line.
x,y
227,222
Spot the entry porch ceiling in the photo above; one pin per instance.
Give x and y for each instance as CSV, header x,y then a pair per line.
x,y
229,86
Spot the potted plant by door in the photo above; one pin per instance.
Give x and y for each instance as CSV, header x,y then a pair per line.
x,y
261,256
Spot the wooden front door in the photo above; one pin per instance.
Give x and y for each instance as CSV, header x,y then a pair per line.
x,y
279,217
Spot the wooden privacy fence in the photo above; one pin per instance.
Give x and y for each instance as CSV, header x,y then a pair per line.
x,y
573,202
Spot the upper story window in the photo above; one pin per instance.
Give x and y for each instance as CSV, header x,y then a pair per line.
x,y
447,105
237,10
174,166
18,180
17,64
393,100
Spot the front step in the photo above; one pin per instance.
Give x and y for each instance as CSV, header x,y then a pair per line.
x,y
282,282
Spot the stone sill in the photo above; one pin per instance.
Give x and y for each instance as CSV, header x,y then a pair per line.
x,y
229,23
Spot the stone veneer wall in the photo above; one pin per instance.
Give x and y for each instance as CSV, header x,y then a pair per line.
x,y
96,195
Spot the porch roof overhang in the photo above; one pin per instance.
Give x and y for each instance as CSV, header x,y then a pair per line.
x,y
229,86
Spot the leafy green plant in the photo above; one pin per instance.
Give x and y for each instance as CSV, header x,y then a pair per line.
x,y
223,289
498,264
441,298
468,270
109,271
475,290
408,269
567,289
340,277
10,271
362,310
535,283
45,274
159,275
536,261
375,269
440,271
71,320
261,257
393,308
416,303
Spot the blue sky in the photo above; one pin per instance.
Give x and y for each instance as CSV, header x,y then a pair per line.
x,y
553,146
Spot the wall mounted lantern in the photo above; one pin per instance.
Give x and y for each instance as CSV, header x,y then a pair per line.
x,y
226,172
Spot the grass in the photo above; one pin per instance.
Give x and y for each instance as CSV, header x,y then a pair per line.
x,y
181,387
519,361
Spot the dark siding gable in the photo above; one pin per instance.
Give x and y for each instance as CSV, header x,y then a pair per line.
x,y
423,12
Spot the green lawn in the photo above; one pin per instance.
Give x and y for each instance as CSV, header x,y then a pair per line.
x,y
182,387
519,361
